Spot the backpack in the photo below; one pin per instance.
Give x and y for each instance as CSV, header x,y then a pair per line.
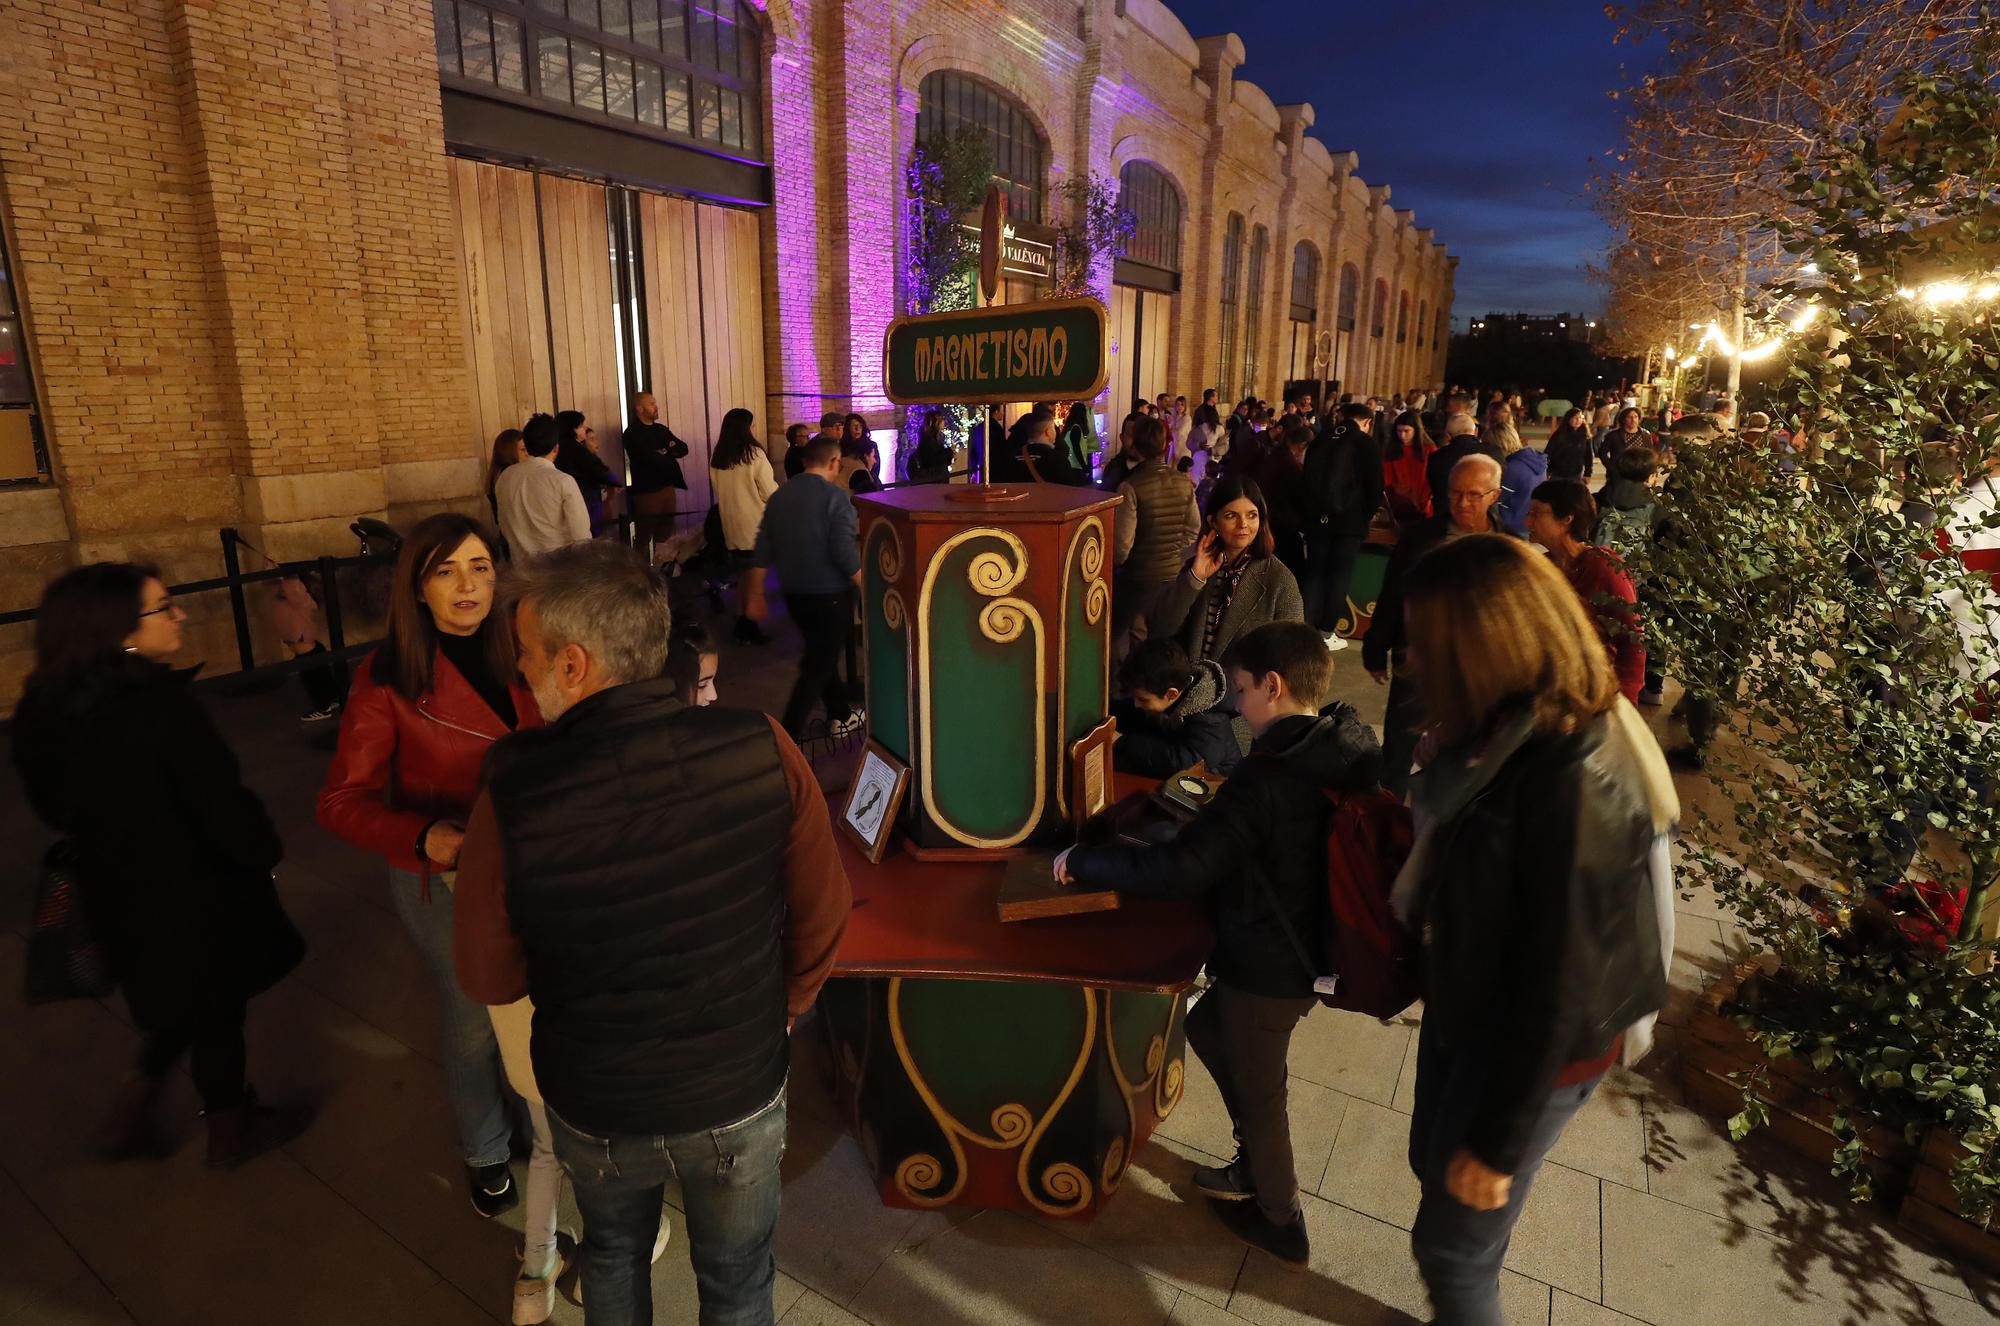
x,y
1627,531
1371,955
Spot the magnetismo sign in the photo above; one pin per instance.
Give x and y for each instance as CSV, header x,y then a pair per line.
x,y
992,356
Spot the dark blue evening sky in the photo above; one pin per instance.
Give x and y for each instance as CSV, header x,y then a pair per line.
x,y
1482,116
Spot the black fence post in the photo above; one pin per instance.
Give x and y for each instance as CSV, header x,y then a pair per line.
x,y
237,605
336,632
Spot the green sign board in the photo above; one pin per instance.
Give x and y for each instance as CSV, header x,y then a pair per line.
x,y
994,356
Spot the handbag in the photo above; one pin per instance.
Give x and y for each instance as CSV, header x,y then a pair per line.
x,y
65,961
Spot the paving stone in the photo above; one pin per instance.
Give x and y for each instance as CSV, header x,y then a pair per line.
x,y
1354,1055
1668,1263
1569,1310
1201,1122
1556,1239
1001,1270
1608,1135
1369,1170
813,1310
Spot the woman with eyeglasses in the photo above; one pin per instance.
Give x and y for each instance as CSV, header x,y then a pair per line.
x,y
173,854
426,707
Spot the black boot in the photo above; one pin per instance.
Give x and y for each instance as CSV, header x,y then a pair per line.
x,y
1286,1243
749,633
1226,1183
246,1131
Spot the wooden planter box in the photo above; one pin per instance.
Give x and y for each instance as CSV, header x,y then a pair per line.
x,y
1800,1100
1931,1208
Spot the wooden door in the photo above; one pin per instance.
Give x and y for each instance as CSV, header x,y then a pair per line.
x,y
583,314
506,320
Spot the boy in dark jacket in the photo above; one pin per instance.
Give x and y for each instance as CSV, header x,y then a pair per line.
x,y
1174,715
1258,854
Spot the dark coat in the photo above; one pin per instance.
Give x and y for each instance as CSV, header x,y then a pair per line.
x,y
1196,727
1342,483
175,853
1267,593
1260,845
1569,455
592,476
654,454
1541,940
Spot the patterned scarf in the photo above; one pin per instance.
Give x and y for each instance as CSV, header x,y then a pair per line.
x,y
1220,591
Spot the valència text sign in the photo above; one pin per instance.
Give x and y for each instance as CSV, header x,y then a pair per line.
x,y
992,356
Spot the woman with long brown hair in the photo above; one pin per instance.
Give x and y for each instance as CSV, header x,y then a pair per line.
x,y
1545,810
506,454
1234,583
172,853
426,707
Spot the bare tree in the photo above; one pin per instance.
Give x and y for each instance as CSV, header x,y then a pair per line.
x,y
1741,94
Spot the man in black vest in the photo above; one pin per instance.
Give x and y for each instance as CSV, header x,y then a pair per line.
x,y
1155,528
662,882
654,454
1338,492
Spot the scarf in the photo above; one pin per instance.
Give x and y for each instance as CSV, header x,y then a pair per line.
x,y
1220,591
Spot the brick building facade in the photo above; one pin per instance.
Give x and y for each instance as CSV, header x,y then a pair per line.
x,y
272,277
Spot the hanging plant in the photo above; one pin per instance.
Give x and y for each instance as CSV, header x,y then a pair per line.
x,y
947,178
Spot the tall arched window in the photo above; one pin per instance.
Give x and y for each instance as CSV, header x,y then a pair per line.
x,y
1305,282
1155,204
1437,328
949,101
1232,262
1402,316
1423,318
1253,320
677,68
1378,321
1348,311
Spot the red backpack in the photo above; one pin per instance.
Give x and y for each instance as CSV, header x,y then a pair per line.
x,y
1366,958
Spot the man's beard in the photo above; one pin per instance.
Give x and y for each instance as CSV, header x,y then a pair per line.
x,y
548,698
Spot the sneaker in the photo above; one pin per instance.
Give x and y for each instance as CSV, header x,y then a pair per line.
x,y
1335,642
1226,1183
535,1296
1685,759
1287,1244
322,715
841,727
493,1189
1652,696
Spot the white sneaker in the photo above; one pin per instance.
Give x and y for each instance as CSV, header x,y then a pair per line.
x,y
842,727
535,1298
1335,642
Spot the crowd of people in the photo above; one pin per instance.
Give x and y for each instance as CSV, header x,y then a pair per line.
x,y
625,893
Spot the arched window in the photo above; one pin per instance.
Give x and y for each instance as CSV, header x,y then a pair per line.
x,y
1402,316
949,101
1155,204
1378,321
677,68
1423,318
1305,282
1349,308
1253,321
1437,329
1232,262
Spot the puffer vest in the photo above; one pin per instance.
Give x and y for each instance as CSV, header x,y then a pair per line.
x,y
1160,505
644,847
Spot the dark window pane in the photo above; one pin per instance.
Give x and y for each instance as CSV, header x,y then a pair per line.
x,y
647,93
552,75
618,17
707,111
725,44
646,22
677,102
749,47
584,11
445,16
552,6
704,33
732,119
508,69
618,85
15,389
475,41
673,27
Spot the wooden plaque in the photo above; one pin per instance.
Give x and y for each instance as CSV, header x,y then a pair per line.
x,y
1029,891
1090,772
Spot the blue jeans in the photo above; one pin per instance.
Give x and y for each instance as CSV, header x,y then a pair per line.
x,y
482,1105
1459,1250
730,1191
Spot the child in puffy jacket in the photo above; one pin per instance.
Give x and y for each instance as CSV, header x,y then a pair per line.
x,y
1175,713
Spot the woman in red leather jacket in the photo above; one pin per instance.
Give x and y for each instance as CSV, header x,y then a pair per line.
x,y
426,707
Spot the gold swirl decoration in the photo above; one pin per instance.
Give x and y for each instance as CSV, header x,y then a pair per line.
x,y
1114,1166
1085,554
1068,1185
1093,555
1168,1093
1126,1089
1098,600
918,1176
893,611
922,1171
1003,620
993,574
1155,1052
889,555
1011,1126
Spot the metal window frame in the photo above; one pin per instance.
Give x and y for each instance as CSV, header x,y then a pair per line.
x,y
950,98
1232,264
1149,194
1305,310
1253,304
537,21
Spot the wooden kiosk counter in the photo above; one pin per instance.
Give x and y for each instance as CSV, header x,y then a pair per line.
x,y
981,1062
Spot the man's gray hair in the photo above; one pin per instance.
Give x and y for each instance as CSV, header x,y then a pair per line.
x,y
1479,460
1460,425
602,597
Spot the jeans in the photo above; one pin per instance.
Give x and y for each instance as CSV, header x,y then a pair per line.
x,y
824,620
1459,1250
1401,724
213,1043
730,1191
1330,559
481,1101
1245,1041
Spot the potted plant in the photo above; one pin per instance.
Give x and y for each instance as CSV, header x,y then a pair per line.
x,y
1814,587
